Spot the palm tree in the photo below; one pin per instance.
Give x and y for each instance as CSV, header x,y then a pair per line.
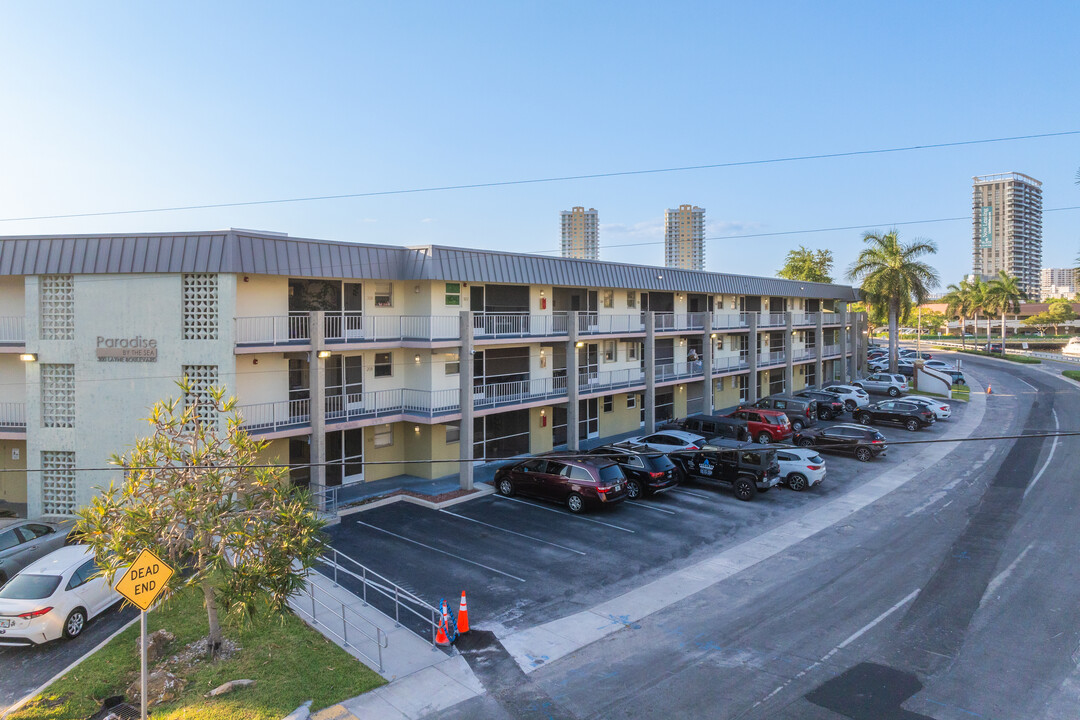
x,y
977,288
891,273
1005,296
958,300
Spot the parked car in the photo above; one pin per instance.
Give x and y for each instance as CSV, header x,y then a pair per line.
x,y
940,408
711,426
579,484
765,426
992,347
884,383
747,468
879,365
939,365
24,541
669,441
957,377
905,367
647,471
862,442
800,468
801,412
852,397
829,405
914,354
54,597
912,415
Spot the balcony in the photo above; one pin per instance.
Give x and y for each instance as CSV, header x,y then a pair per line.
x,y
803,319
807,353
355,327
12,416
772,319
726,321
607,380
12,331
830,350
669,322
517,392
679,371
733,362
275,416
830,318
773,357
291,329
495,326
597,324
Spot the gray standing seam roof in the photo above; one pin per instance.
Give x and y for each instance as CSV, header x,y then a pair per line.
x,y
273,254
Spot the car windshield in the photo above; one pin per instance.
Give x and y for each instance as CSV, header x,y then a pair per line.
x,y
661,462
878,436
611,473
30,587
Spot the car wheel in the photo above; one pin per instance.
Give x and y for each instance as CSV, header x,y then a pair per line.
x,y
863,454
796,482
850,405
575,503
744,489
893,392
806,442
75,623
764,438
865,419
633,489
506,487
797,425
912,425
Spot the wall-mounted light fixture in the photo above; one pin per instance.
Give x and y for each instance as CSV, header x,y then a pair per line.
x,y
416,429
324,353
580,345
416,358
28,357
713,336
541,292
416,289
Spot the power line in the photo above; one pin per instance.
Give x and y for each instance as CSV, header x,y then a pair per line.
x,y
553,179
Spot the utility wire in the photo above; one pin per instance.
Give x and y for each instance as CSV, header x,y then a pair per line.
x,y
560,178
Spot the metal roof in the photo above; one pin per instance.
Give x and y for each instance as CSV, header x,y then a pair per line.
x,y
242,251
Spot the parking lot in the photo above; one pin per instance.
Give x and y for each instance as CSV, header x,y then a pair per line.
x,y
525,561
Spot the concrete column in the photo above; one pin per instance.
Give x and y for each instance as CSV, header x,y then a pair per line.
x,y
465,376
856,343
751,357
844,377
819,348
573,375
789,352
706,360
650,372
317,408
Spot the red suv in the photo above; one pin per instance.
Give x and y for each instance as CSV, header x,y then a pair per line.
x,y
576,483
765,426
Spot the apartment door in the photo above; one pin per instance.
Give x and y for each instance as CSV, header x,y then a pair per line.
x,y
352,300
344,457
588,418
476,298
590,361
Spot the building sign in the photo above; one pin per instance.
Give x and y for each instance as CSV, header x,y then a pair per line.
x,y
986,226
133,349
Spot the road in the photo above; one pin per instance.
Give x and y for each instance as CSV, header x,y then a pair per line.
x,y
955,596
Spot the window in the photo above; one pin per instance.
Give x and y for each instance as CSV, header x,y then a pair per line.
x,y
57,301
8,540
200,303
610,351
58,482
631,402
452,363
577,473
82,575
453,432
384,294
632,351
453,294
720,384
384,435
631,299
609,298
57,395
384,364
609,403
719,302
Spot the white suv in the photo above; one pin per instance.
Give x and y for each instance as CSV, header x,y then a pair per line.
x,y
852,397
894,385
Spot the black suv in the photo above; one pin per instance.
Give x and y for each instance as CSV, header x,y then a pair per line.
x,y
712,426
911,415
828,404
647,471
801,412
747,468
862,442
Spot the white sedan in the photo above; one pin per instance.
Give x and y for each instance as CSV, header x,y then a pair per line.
x,y
54,597
942,410
800,468
669,441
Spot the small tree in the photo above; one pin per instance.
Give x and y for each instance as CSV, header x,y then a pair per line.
x,y
196,497
1060,312
809,265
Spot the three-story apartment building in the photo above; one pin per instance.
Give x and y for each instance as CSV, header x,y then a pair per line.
x,y
363,362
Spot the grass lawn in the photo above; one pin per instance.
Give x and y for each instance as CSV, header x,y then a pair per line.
x,y
290,662
1024,359
961,392
1071,374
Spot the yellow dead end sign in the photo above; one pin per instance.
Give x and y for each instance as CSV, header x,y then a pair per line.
x,y
144,580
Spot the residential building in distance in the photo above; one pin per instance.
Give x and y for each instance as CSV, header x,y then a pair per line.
x,y
353,361
580,234
1057,283
1007,228
684,237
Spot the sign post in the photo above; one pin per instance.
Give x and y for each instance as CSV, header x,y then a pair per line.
x,y
141,585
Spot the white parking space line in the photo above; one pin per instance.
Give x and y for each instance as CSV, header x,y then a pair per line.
x,y
691,493
650,507
560,512
870,625
512,532
1026,383
438,550
1048,457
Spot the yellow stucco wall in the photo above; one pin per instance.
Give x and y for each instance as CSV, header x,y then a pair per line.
x,y
620,419
13,484
392,454
729,396
540,438
430,444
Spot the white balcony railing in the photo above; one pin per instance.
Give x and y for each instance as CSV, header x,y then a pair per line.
x,y
730,362
513,392
294,328
430,327
12,331
514,325
830,318
771,319
805,318
596,324
830,349
273,416
678,371
723,321
12,415
610,380
349,327
666,321
359,406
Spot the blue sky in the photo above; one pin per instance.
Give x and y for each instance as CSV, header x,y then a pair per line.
x,y
119,105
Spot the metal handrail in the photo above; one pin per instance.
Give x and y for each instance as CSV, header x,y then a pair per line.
x,y
380,639
383,585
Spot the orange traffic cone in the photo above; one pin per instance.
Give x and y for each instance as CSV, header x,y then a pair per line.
x,y
444,627
463,615
989,389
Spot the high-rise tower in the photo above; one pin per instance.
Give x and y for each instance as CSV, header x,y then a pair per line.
x,y
580,234
684,237
1007,228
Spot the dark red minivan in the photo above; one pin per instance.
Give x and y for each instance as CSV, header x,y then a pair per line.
x,y
579,484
